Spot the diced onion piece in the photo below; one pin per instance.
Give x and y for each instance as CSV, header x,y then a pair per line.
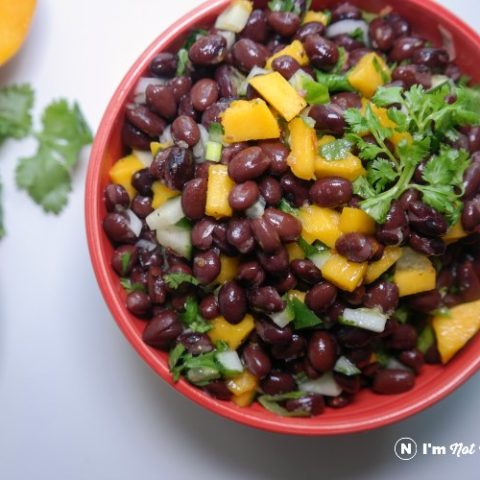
x,y
134,223
324,385
347,27
394,364
438,81
145,157
177,239
235,17
257,209
143,83
199,148
366,318
168,214
344,366
228,36
202,375
320,258
230,361
283,318
254,72
146,245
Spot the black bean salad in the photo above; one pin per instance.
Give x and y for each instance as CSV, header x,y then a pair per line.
x,y
298,214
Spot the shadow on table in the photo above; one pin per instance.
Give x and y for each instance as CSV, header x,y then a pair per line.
x,y
261,454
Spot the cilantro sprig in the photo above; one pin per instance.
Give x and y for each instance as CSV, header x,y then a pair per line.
x,y
192,319
174,280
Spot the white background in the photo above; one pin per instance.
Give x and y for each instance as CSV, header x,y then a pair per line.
x,y
76,402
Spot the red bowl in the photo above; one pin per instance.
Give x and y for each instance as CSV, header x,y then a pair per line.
x,y
369,410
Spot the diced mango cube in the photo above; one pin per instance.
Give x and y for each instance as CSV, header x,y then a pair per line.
x,y
233,335
218,189
312,16
455,330
355,220
123,171
375,269
368,74
245,382
295,252
248,120
303,142
320,224
161,193
228,269
280,94
245,399
455,232
294,50
343,273
155,147
414,273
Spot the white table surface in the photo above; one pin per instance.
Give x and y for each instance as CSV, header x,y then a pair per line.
x,y
76,402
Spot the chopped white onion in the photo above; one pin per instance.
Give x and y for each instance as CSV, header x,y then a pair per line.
x,y
438,81
146,245
394,364
344,366
230,361
347,27
366,318
447,41
169,213
235,17
143,83
145,157
166,136
257,209
134,223
324,385
228,36
254,72
283,318
199,148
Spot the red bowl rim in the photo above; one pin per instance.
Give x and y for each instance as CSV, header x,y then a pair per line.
x,y
101,266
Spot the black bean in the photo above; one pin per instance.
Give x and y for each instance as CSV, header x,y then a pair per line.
x,y
435,58
265,235
278,382
348,43
194,198
185,130
134,138
115,197
164,64
138,303
395,230
209,307
278,153
202,234
349,383
271,333
123,259
286,65
345,11
204,94
256,360
275,263
240,236
320,297
382,294
426,220
142,182
306,271
232,302
400,25
196,343
248,164
311,404
224,78
142,206
145,120
328,118
180,86
393,381
323,53
250,274
161,100
243,195
357,247
162,331
290,351
468,281
117,228
217,389
425,302
413,75
381,34
287,226
266,299
322,351
248,54
427,246
413,359
208,50
271,191
256,28
403,337
206,266
471,214
179,167
404,48
284,23
331,192
346,100
295,190
308,29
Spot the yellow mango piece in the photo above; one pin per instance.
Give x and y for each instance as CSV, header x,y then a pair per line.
x,y
370,73
248,120
297,294
389,257
161,193
228,269
155,147
218,188
312,16
355,220
454,331
245,399
349,167
414,273
243,383
308,237
343,273
295,252
294,50
455,233
303,142
279,94
15,19
233,335
320,224
123,171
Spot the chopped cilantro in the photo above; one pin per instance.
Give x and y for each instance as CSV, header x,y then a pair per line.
x,y
16,103
174,280
336,150
192,318
130,287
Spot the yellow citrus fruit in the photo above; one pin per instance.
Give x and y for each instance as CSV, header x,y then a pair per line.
x,y
15,19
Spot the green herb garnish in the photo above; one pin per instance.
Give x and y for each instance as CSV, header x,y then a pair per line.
x,y
304,317
16,104
130,287
192,319
336,150
174,280
272,404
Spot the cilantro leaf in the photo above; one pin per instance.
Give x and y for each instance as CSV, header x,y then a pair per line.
x,y
314,248
336,150
316,93
16,103
285,206
183,60
358,34
125,258
130,287
192,318
386,96
335,82
381,173
46,175
362,188
174,280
